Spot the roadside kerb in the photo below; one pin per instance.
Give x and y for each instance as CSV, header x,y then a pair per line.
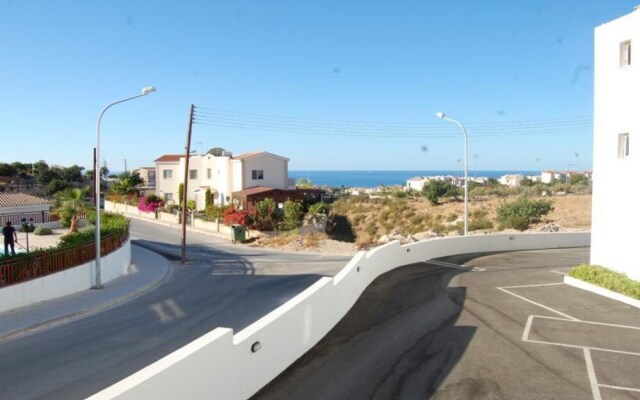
x,y
147,271
226,366
580,284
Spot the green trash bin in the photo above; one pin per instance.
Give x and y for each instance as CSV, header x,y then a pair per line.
x,y
238,233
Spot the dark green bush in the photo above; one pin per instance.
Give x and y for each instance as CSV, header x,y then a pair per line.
x,y
110,223
41,231
522,212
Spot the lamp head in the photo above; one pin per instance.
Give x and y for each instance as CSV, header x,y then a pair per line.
x,y
440,115
148,89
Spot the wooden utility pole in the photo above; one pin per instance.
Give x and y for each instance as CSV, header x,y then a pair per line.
x,y
183,251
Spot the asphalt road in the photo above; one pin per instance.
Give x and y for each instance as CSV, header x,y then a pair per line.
x,y
509,330
222,285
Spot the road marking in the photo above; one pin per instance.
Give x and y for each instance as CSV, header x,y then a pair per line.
x,y
595,389
536,285
456,266
591,322
527,328
537,304
630,389
555,271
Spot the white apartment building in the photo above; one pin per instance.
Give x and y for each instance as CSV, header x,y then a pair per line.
x,y
513,180
222,175
615,218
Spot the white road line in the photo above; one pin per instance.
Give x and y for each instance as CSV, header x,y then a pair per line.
x,y
456,266
536,285
527,328
558,272
595,389
538,304
590,322
619,388
575,346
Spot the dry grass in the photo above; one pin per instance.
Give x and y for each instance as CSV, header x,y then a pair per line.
x,y
370,219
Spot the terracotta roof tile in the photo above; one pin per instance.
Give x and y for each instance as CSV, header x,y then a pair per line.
x,y
169,158
253,190
248,155
20,199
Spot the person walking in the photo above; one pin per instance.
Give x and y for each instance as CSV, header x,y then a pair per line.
x,y
10,237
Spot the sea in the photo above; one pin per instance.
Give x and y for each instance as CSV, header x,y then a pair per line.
x,y
366,179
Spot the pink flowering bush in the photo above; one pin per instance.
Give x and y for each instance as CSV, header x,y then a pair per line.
x,y
150,203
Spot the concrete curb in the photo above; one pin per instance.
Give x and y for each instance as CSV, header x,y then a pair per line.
x,y
116,301
601,291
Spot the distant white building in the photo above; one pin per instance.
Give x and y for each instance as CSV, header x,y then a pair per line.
x,y
416,183
513,180
222,175
615,217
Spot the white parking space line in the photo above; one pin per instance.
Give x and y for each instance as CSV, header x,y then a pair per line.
x,y
555,271
629,389
595,389
533,302
593,380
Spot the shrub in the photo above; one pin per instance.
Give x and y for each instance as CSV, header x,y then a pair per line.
x,y
607,279
42,231
436,189
110,223
150,203
292,214
522,212
231,216
264,216
480,223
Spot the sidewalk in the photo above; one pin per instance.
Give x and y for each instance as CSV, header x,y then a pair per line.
x,y
147,270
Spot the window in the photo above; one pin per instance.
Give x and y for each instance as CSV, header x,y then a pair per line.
x,y
208,173
623,145
167,174
625,53
257,174
193,174
168,196
152,178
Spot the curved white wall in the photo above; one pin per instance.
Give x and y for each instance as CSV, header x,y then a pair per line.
x,y
65,282
220,365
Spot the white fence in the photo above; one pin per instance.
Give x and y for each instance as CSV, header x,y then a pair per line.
x,y
68,281
220,365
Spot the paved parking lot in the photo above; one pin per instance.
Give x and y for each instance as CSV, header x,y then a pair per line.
x,y
500,326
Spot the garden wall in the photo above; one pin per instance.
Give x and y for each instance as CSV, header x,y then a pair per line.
x,y
65,282
221,365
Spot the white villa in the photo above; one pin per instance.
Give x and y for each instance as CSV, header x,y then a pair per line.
x,y
513,180
615,217
223,175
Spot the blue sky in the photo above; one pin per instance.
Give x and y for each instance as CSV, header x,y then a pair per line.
x,y
328,84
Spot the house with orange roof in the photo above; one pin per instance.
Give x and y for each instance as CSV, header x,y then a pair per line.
x,y
223,175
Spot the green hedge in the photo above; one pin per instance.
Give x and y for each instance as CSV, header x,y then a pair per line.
x,y
607,279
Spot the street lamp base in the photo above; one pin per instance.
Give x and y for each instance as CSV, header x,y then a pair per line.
x,y
97,287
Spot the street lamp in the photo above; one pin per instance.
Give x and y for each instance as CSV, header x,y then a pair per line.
x,y
96,172
441,115
28,226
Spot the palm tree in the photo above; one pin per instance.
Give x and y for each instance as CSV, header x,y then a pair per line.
x,y
70,202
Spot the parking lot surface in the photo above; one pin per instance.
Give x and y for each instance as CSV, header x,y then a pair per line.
x,y
500,326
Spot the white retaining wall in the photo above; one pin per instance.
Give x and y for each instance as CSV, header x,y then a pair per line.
x,y
220,365
65,282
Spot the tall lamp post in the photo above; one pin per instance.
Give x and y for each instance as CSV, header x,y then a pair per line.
x,y
96,173
441,115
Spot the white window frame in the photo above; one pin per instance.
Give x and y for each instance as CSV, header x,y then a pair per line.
x,y
167,174
623,146
168,196
625,53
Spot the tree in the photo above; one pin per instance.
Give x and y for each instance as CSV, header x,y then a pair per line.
x,y
292,214
216,151
55,186
72,173
7,170
436,189
127,184
208,198
304,183
180,193
70,202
